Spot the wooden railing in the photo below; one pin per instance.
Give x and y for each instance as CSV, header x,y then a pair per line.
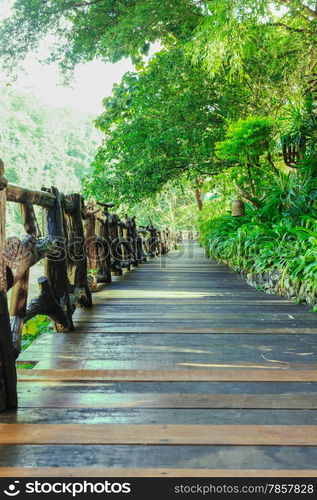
x,y
82,245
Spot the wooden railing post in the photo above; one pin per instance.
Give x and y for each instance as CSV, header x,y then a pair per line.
x,y
19,297
77,268
106,239
133,239
107,245
8,395
56,267
116,250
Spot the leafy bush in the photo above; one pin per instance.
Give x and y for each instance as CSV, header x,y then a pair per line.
x,y
252,244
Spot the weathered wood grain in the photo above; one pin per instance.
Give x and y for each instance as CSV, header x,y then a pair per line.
x,y
211,375
156,416
160,456
172,472
223,435
60,399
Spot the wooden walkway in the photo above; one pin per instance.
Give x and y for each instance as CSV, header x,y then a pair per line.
x,y
180,369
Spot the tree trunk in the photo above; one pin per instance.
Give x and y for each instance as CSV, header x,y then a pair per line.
x,y
198,193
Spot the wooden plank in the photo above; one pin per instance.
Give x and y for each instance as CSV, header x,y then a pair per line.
x,y
55,399
160,456
154,388
172,316
102,472
213,375
256,435
127,328
174,351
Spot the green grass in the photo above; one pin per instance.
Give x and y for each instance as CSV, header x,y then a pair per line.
x,y
34,328
24,366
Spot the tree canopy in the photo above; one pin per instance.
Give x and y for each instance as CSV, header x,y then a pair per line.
x,y
222,67
226,108
105,29
161,124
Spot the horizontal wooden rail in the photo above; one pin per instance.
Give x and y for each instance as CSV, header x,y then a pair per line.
x,y
43,199
83,244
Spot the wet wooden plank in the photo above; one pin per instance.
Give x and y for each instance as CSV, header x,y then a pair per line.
x,y
182,416
59,399
159,456
172,472
272,374
174,351
255,314
127,328
256,435
156,388
123,328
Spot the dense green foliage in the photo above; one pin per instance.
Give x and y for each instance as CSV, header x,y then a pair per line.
x,y
160,125
174,206
106,29
256,244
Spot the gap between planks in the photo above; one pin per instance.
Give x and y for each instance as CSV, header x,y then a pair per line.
x,y
201,435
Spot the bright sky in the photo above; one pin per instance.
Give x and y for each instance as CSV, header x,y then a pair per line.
x,y
92,81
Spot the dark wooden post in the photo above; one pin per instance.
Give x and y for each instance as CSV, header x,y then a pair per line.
x,y
19,297
56,267
116,249
8,394
89,215
106,239
133,238
140,257
153,242
77,268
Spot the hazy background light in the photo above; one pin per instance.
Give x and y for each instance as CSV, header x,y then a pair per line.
x,y
91,82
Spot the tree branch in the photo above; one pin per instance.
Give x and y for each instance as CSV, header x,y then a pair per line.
x,y
291,28
269,159
71,6
247,195
85,4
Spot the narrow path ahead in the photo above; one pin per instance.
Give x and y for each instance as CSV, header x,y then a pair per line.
x,y
181,368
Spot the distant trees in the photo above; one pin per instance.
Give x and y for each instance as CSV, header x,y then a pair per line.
x,y
43,146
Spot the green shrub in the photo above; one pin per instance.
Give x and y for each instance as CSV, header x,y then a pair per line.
x,y
252,244
34,328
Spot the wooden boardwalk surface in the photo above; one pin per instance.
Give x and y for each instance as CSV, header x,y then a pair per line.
x,y
180,369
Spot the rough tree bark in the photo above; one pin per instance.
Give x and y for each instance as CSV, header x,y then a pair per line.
x,y
8,395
